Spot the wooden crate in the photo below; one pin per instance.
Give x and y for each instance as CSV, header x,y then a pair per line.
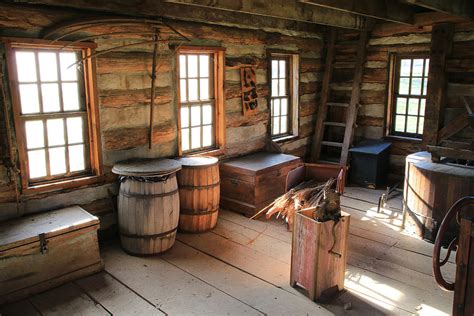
x,y
42,251
250,183
312,266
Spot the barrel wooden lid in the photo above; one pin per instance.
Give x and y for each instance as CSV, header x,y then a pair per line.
x,y
146,167
198,161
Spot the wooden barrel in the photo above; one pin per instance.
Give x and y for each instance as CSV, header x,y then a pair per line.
x,y
148,205
199,194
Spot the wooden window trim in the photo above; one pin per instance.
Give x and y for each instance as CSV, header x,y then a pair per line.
x,y
96,173
293,78
394,61
219,98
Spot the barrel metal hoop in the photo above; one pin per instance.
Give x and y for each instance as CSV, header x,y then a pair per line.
x,y
147,195
199,166
147,179
193,212
150,236
198,187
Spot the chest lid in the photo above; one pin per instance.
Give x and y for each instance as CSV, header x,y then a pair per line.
x,y
261,162
26,230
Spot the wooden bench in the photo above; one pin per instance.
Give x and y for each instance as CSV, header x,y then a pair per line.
x,y
41,251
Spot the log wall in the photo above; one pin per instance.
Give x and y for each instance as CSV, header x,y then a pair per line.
x,y
123,79
389,37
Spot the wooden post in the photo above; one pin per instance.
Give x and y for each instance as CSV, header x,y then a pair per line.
x,y
441,44
323,106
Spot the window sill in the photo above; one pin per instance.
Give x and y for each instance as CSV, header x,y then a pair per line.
x,y
403,139
66,184
283,139
211,152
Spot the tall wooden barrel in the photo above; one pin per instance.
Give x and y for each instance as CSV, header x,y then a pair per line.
x,y
199,194
148,205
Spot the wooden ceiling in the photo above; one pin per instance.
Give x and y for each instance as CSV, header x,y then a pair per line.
x,y
292,15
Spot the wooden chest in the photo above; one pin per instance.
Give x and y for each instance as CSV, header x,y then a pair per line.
x,y
42,251
250,183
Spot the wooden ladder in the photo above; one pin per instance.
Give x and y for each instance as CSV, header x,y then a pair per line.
x,y
351,107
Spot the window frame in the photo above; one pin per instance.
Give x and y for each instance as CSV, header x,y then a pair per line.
x,y
394,81
218,64
94,173
293,93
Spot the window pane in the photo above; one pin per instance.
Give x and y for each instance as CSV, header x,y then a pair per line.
x,y
203,66
50,93
421,121
416,86
427,67
182,90
282,72
413,106
399,123
195,115
422,107
29,98
425,86
206,114
37,163
207,136
182,66
75,132
274,68
411,124
274,87
193,89
76,158
401,106
284,124
282,87
26,66
276,125
404,85
276,107
34,134
185,139
55,129
204,89
48,66
68,70
405,67
184,116
57,160
192,66
417,67
70,96
284,106
195,137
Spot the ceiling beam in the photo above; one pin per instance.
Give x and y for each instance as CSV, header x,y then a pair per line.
x,y
388,10
159,8
463,8
282,9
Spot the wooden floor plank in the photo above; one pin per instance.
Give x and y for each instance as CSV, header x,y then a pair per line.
x,y
373,196
116,297
171,289
20,308
253,291
68,299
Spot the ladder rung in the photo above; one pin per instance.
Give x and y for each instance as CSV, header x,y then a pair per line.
x,y
335,124
344,105
333,144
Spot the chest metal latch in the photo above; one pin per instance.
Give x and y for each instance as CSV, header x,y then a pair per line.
x,y
43,243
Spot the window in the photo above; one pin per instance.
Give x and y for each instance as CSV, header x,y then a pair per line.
x,y
200,73
52,97
283,102
410,83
